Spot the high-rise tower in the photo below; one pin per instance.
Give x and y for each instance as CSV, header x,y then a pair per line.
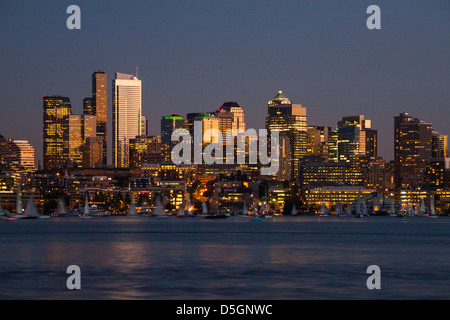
x,y
99,107
127,107
55,108
290,120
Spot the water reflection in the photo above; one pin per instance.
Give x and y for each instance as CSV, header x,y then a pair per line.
x,y
171,259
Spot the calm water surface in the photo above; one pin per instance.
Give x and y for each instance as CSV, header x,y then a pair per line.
x,y
234,258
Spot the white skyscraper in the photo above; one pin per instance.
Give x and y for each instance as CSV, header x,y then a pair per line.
x,y
127,107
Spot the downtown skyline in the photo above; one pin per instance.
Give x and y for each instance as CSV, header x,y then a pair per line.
x,y
185,67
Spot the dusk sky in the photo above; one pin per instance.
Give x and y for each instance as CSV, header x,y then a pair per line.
x,y
195,55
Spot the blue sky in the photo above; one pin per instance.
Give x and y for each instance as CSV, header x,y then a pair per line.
x,y
195,55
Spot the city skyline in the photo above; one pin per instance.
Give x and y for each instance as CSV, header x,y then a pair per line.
x,y
324,58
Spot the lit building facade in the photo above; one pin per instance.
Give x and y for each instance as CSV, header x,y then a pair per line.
x,y
439,145
55,108
18,155
145,149
290,120
92,153
355,139
73,140
100,107
318,141
412,149
168,125
321,173
127,106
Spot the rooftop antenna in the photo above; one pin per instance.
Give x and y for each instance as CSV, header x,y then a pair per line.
x,y
136,72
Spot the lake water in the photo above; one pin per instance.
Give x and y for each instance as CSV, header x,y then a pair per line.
x,y
235,258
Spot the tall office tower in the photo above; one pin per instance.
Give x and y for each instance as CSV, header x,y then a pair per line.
x,y
145,149
92,152
231,117
209,123
73,140
318,141
89,127
371,142
285,168
412,148
168,125
197,116
88,107
19,155
2,148
127,107
144,126
355,139
439,146
289,119
100,106
373,171
333,136
55,108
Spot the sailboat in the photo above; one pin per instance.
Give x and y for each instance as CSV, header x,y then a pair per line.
x,y
401,211
132,211
339,210
358,206
392,209
324,211
5,213
204,208
244,210
349,210
31,212
422,210
432,211
158,210
364,208
294,210
408,210
189,210
181,213
85,214
61,209
19,207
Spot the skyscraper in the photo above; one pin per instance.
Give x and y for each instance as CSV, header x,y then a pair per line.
x,y
144,126
88,107
73,140
439,145
290,120
55,108
355,139
168,125
145,149
19,155
100,107
89,127
412,149
318,141
93,153
231,117
127,107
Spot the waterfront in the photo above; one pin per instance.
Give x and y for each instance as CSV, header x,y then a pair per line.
x,y
194,258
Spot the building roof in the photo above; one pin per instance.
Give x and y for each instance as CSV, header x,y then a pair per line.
x,y
228,105
280,98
